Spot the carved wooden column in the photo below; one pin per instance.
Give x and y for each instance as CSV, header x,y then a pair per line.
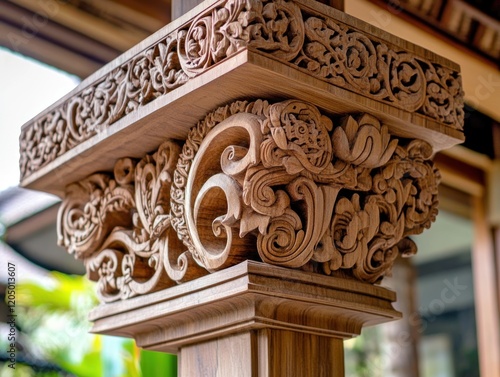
x,y
240,182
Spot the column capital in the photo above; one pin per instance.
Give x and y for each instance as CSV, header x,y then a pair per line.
x,y
278,182
271,157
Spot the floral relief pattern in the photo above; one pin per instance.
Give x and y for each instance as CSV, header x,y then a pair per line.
x,y
347,58
277,182
285,30
119,225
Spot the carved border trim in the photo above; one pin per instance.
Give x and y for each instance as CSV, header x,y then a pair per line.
x,y
288,31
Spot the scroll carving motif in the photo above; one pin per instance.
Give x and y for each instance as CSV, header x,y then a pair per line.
x,y
347,58
120,226
279,182
286,30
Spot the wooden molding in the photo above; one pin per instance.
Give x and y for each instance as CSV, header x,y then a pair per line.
x,y
347,64
469,157
248,296
251,319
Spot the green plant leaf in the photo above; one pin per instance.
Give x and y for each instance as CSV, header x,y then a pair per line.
x,y
54,317
90,365
64,293
158,364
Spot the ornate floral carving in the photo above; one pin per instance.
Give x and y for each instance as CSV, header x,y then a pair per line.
x,y
154,72
120,226
368,231
288,31
275,27
278,182
354,142
88,211
343,56
293,176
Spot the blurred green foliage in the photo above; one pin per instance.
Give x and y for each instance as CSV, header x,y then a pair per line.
x,y
363,355
53,319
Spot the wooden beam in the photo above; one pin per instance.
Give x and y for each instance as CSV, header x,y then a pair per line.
x,y
480,76
272,77
84,23
122,12
180,7
47,52
337,4
485,292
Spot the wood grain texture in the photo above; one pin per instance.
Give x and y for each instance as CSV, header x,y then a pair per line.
x,y
173,116
248,296
349,63
486,292
252,319
317,356
267,352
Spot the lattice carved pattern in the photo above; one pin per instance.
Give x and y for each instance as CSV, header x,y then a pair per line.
x,y
288,31
279,182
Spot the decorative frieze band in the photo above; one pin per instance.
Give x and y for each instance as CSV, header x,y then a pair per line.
x,y
292,32
279,182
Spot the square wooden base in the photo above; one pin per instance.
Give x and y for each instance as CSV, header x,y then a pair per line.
x,y
252,319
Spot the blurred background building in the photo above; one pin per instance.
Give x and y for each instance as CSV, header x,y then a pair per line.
x,y
449,292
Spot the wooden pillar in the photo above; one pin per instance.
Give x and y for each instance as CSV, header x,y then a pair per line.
x,y
257,331
486,265
403,336
240,183
269,352
180,7
252,319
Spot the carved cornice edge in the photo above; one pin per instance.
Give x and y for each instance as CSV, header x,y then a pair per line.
x,y
298,33
167,320
278,182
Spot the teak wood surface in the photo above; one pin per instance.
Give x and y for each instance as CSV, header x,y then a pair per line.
x,y
246,73
252,319
283,132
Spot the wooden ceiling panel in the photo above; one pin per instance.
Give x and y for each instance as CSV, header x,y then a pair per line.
x,y
79,36
472,25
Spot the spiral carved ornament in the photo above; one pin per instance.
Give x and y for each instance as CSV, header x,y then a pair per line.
x,y
278,182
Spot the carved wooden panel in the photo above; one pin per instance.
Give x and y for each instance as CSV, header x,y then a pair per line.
x,y
306,35
278,182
